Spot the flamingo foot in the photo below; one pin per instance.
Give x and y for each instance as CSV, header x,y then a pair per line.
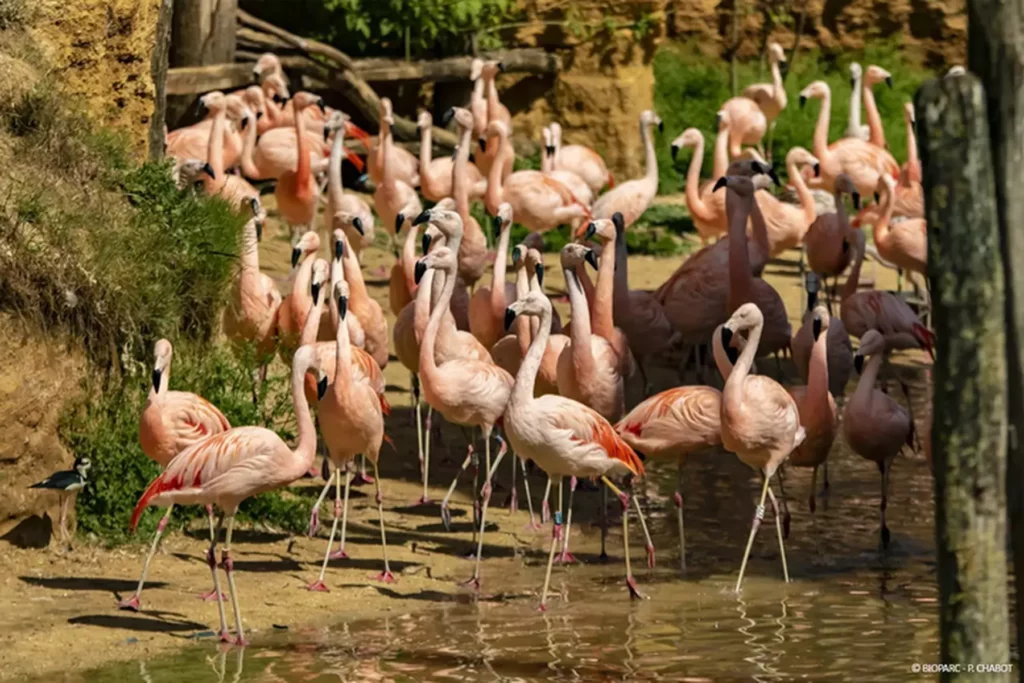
x,y
474,583
361,479
211,595
226,637
446,517
423,500
314,523
132,604
545,513
634,592
533,525
241,642
385,577
542,607
319,587
338,554
565,557
650,556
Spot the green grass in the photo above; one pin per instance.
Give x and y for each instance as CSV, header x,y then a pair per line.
x,y
690,88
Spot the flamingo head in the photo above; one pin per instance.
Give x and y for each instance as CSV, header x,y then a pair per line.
x,y
162,353
778,55
549,143
475,67
691,137
490,69
817,90
519,255
870,344
441,258
424,122
876,74
447,222
341,298
502,219
746,317
275,87
820,320
211,103
856,73
321,272
574,254
648,120
535,260
602,228
909,116
534,304
308,243
253,96
267,64
307,99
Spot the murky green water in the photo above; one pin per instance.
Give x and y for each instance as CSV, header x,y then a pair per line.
x,y
852,612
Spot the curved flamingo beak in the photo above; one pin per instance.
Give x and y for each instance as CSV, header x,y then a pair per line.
x,y
510,317
357,223
540,274
321,388
720,183
858,363
156,380
496,224
422,218
296,255
591,258
425,244
339,249
856,201
420,271
314,290
816,328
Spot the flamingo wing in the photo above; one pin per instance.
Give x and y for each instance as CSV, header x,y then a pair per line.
x,y
584,425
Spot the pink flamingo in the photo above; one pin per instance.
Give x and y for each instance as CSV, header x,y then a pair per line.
x,y
395,199
632,198
348,211
404,166
251,316
467,393
495,152
749,124
904,244
909,202
827,241
360,304
583,161
487,306
228,467
436,173
881,311
402,285
770,97
910,172
860,160
232,188
352,423
534,244
706,209
171,422
192,142
760,421
562,436
840,352
291,317
297,191
603,317
477,102
785,223
473,256
875,426
875,74
817,408
538,201
508,352
574,183
673,425
854,129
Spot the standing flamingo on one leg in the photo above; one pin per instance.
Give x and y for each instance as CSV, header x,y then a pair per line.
x,y
171,422
229,467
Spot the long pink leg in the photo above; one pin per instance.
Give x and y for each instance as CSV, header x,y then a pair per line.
x,y
647,535
211,560
545,509
319,584
386,576
486,493
529,498
134,603
314,514
362,477
225,636
340,553
565,557
555,537
446,516
634,592
229,569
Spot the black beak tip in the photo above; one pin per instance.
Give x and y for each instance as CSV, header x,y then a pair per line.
x,y
510,317
775,177
878,198
296,255
314,290
661,126
342,306
421,219
496,224
419,130
259,231
726,339
208,170
675,152
817,170
816,328
501,67
720,183
339,249
357,223
327,134
245,122
420,271
888,81
540,274
853,83
321,388
259,115
858,363
321,106
619,221
732,353
448,115
846,246
483,144
803,101
591,229
856,200
591,258
399,221
426,243
156,380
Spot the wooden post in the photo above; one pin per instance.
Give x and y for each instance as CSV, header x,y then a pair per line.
x,y
995,52
202,32
158,70
969,424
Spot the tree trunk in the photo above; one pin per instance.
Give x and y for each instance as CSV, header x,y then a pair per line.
x,y
995,52
202,32
969,418
158,70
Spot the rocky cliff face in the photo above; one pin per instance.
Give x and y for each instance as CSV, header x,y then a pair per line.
x,y
102,51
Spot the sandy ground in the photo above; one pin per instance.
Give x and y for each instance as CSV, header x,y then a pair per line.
x,y
54,602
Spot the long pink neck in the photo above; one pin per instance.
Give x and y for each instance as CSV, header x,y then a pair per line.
x,y
881,232
650,157
495,191
385,142
697,207
312,326
735,385
579,328
523,328
424,300
817,380
408,260
802,193
621,293
249,167
426,152
602,316
335,190
215,151
302,169
721,155
305,448
460,184
876,132
547,162
250,256
741,282
526,378
866,384
358,296
821,129
853,280
301,297
498,281
913,161
492,99
428,364
343,356
583,279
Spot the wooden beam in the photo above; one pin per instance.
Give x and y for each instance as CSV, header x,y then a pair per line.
x,y
965,269
193,80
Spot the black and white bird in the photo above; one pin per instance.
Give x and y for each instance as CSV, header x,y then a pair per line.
x,y
67,482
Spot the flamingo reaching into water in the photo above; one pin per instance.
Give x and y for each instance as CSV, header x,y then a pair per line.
x,y
171,422
860,160
760,421
580,160
228,467
632,198
817,408
352,423
564,437
875,426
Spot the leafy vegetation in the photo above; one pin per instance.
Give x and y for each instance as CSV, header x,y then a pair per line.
x,y
689,89
105,427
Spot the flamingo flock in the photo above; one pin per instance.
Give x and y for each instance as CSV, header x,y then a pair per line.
x,y
492,355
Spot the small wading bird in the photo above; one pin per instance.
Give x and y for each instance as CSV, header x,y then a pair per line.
x,y
229,467
68,482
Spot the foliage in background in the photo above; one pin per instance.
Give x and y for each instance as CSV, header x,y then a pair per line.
x,y
105,427
690,87
376,28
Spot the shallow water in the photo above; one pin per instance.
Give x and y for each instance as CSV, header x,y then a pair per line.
x,y
851,611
